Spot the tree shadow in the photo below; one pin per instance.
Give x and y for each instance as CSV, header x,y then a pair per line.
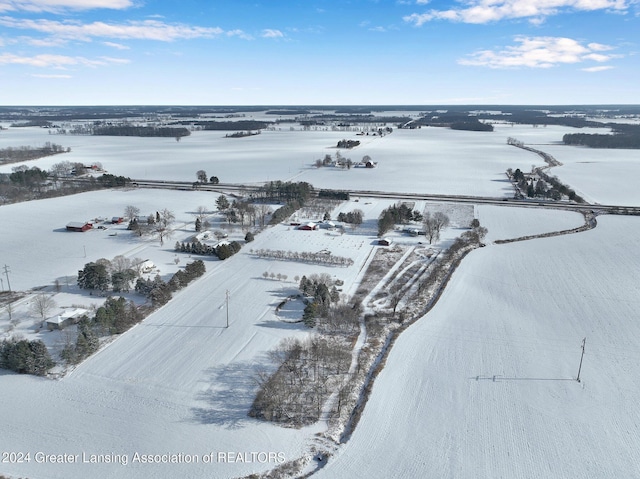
x,y
231,393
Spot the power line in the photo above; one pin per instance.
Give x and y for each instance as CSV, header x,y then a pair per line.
x,y
581,356
6,272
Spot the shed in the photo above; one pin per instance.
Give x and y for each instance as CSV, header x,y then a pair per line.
x,y
385,242
310,226
79,226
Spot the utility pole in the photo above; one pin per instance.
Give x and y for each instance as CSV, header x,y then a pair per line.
x,y
581,356
6,272
227,308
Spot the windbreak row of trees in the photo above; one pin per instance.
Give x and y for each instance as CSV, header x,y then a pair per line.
x,y
26,153
221,251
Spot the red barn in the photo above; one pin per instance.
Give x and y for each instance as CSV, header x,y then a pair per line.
x,y
79,226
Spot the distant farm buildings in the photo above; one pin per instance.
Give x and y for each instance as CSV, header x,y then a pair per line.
x,y
79,226
310,226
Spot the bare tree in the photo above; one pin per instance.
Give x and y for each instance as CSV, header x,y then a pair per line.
x,y
42,305
120,264
162,226
131,212
441,220
202,176
201,213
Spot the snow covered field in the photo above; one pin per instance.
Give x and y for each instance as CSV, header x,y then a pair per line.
x,y
480,387
484,385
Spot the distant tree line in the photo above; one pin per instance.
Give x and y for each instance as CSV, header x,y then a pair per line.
x,y
240,125
26,153
144,131
473,125
625,136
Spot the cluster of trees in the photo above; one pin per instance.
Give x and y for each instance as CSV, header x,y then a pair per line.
x,y
354,217
239,125
400,213
304,257
145,131
333,194
323,291
160,292
546,186
242,134
308,372
202,177
111,181
87,342
348,143
26,153
103,274
434,224
158,224
472,125
28,177
238,211
282,191
25,183
25,357
625,136
222,251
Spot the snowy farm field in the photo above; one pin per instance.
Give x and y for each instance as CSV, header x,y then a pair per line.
x,y
430,160
485,386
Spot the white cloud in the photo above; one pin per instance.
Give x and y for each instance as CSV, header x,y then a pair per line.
x,y
597,69
37,75
239,34
485,11
59,5
55,61
270,33
539,52
117,46
140,30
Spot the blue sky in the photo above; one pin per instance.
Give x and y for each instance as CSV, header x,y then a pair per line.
x,y
324,52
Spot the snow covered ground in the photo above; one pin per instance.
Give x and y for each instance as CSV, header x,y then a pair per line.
x,y
484,385
480,387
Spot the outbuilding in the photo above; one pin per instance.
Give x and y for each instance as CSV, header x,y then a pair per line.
x,y
310,226
79,226
63,320
385,242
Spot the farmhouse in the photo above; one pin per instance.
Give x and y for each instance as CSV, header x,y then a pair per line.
x,y
146,266
63,320
79,226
